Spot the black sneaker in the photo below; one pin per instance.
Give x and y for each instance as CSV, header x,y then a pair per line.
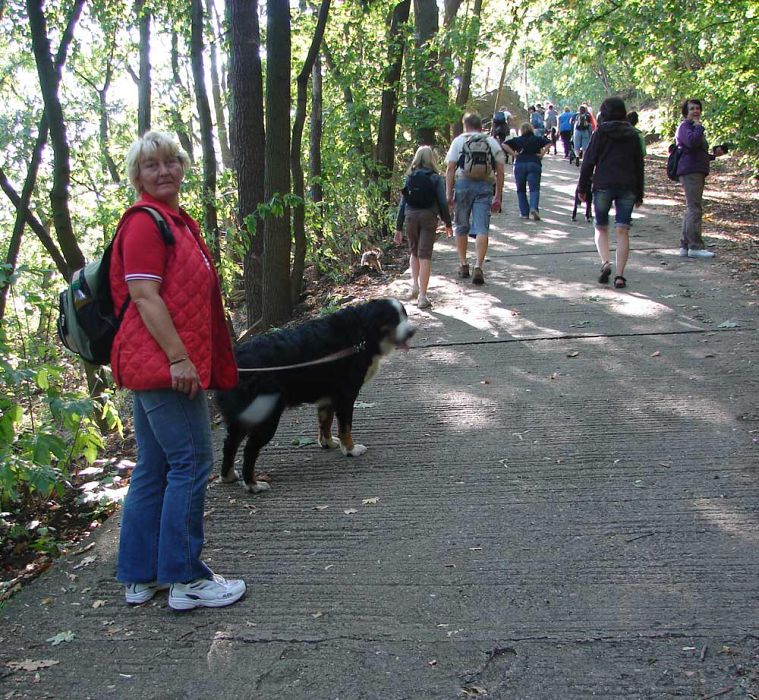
x,y
464,271
477,276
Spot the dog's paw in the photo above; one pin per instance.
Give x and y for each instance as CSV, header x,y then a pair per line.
x,y
257,486
357,451
232,478
329,444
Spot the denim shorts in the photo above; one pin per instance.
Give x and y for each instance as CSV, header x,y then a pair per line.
x,y
472,209
624,201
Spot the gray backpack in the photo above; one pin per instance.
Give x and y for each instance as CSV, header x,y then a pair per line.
x,y
477,161
87,320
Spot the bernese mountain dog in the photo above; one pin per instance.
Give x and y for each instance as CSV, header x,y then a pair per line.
x,y
325,362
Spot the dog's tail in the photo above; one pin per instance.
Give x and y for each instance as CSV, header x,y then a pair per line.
x,y
260,409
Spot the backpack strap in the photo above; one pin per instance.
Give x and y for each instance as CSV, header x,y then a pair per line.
x,y
166,234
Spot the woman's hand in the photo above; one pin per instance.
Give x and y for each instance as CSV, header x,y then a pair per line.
x,y
398,237
449,231
581,196
184,378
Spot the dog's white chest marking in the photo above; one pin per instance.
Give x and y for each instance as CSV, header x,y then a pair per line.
x,y
373,369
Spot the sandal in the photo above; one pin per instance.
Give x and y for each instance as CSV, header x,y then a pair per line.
x,y
603,278
619,282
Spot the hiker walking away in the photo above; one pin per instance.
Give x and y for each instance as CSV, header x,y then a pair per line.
x,y
583,129
171,346
565,130
536,121
528,150
473,163
552,126
632,117
501,127
423,200
614,161
692,171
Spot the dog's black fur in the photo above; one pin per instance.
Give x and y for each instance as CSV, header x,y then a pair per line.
x,y
254,407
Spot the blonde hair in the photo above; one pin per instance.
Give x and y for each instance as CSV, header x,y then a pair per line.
x,y
152,143
423,158
526,128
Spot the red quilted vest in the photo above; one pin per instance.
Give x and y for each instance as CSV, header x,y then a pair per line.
x,y
190,289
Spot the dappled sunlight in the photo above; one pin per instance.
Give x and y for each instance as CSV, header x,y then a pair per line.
x,y
719,514
455,409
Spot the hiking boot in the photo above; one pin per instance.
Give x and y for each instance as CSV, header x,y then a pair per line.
x,y
700,253
464,271
534,214
424,302
477,276
213,592
137,593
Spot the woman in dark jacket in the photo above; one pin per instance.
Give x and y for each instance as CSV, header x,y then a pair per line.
x,y
528,151
614,162
692,171
422,201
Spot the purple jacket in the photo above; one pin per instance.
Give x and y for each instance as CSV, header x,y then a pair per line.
x,y
695,158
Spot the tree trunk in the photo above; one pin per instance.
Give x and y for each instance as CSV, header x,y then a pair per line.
x,y
218,103
247,112
182,128
315,145
49,77
104,140
389,112
277,306
518,13
23,213
210,221
296,167
144,89
473,35
428,87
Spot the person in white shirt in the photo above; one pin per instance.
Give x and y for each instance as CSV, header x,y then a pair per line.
x,y
475,162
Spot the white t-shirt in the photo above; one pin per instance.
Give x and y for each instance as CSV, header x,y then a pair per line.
x,y
454,152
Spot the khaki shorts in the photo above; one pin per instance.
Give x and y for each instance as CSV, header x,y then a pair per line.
x,y
421,225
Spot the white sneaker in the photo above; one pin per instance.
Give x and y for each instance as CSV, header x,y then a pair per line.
x,y
424,302
700,254
213,592
414,293
137,593
683,252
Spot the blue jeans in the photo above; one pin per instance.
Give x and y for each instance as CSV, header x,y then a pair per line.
x,y
473,199
162,520
528,174
624,201
582,139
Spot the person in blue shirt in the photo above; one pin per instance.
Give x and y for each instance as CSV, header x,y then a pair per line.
x,y
565,130
528,151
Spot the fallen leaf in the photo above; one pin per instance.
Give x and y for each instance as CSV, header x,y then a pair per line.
x,y
84,549
574,353
473,691
302,441
86,562
555,375
31,665
485,381
370,501
475,549
350,511
363,404
728,324
321,507
67,636
655,354
99,603
432,662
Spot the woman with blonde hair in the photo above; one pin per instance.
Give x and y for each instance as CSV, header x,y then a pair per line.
x,y
423,200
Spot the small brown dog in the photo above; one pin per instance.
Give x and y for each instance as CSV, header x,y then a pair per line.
x,y
371,259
